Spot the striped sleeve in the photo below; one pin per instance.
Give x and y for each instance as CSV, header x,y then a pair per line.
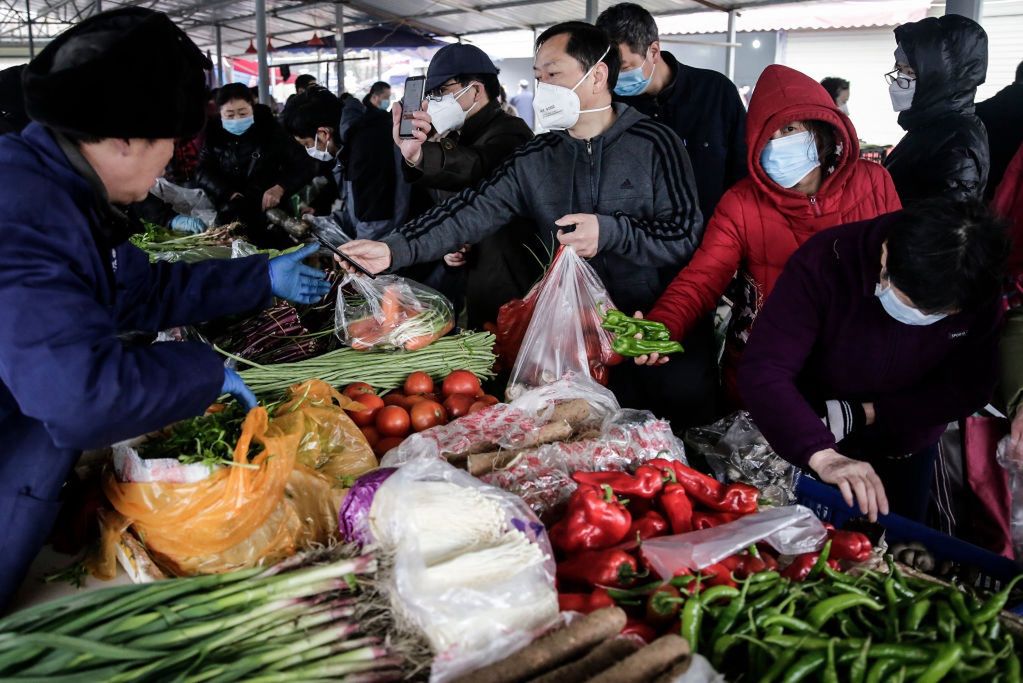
x,y
671,234
469,216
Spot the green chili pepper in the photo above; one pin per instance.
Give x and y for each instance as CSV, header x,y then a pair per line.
x,y
958,602
916,613
944,662
858,670
721,647
728,616
769,597
788,623
1012,668
691,615
995,604
630,347
879,671
717,593
822,561
946,621
831,666
781,664
823,611
807,665
848,627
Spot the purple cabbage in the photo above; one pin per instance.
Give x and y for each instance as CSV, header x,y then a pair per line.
x,y
353,519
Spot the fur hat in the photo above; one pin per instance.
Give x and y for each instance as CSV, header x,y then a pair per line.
x,y
126,73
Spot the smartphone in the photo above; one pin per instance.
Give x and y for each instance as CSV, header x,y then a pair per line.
x,y
411,102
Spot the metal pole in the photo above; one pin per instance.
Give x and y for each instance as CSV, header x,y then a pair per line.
x,y
380,65
264,71
592,11
31,41
339,40
967,8
220,58
730,50
99,6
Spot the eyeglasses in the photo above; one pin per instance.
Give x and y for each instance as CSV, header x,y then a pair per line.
x,y
437,94
895,76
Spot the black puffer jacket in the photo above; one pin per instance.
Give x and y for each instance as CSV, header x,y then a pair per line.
x,y
253,162
945,150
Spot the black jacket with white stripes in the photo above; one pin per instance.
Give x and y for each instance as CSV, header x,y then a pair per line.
x,y
636,178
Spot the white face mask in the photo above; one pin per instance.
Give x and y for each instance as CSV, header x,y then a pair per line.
x,y
319,154
903,312
844,108
447,114
902,98
557,107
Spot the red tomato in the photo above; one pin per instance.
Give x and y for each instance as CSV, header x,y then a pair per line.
x,y
372,403
458,405
461,382
490,400
372,436
357,389
412,400
393,421
385,445
418,383
428,414
477,406
396,398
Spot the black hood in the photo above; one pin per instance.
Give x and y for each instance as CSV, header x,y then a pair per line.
x,y
949,55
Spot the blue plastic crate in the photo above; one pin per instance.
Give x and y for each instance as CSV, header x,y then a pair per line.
x,y
827,503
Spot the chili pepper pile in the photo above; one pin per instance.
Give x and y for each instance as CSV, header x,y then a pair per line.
x,y
611,513
637,337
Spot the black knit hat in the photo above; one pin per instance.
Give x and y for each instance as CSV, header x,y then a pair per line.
x,y
126,73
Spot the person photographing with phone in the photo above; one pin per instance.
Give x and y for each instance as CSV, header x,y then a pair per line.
x,y
451,141
607,181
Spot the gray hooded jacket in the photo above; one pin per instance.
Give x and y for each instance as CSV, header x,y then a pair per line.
x,y
636,178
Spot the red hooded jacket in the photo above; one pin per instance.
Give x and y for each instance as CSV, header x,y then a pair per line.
x,y
758,224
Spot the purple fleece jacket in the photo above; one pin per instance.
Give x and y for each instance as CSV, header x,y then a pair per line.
x,y
823,335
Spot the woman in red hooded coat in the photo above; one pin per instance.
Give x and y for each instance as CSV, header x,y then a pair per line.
x,y
805,176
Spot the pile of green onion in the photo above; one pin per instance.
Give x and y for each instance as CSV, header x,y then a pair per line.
x,y
288,623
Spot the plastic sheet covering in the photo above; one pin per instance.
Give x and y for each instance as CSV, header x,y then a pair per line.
x,y
472,570
564,340
390,313
791,530
1013,464
737,451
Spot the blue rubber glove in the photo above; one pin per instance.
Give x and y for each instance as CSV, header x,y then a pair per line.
x,y
187,224
296,282
235,385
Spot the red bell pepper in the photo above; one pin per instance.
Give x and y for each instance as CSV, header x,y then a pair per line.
x,y
803,564
612,568
709,492
585,602
662,605
647,482
850,545
650,525
708,520
719,574
677,508
595,520
640,629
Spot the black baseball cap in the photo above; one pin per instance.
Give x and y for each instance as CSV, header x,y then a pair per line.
x,y
454,60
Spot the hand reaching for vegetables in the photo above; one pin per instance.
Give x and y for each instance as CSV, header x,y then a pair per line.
x,y
653,358
374,256
272,197
236,387
292,280
856,479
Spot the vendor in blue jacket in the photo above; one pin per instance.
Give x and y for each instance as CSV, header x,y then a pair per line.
x,y
70,283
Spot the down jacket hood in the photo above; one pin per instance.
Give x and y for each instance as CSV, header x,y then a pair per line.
x,y
949,55
783,95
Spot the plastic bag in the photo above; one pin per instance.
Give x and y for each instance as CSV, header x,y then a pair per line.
x,y
389,313
473,570
737,451
332,446
564,339
791,530
186,201
1013,465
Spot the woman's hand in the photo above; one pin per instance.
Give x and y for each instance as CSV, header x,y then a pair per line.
x,y
653,358
853,478
272,197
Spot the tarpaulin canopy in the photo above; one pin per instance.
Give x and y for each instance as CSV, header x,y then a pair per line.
x,y
377,38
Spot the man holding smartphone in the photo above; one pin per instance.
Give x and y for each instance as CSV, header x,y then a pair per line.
x,y
607,181
457,138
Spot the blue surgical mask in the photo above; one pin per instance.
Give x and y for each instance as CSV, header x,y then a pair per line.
x,y
903,312
385,104
631,82
238,126
787,160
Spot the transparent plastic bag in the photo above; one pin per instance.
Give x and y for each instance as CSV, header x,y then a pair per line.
x,y
737,451
473,570
1013,465
390,313
791,530
186,201
564,339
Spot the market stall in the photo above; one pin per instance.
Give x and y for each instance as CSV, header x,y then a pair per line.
x,y
380,516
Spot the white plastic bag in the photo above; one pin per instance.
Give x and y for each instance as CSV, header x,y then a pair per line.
x,y
564,340
473,570
188,202
791,530
1014,467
